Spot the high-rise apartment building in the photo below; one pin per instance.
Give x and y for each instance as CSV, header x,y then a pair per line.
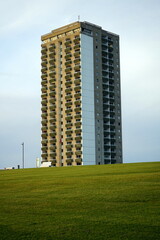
x,y
81,97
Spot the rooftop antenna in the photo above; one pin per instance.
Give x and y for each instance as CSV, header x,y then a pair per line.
x,y
78,18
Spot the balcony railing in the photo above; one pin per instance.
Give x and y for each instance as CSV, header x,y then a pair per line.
x,y
69,69
44,89
52,47
77,40
52,94
77,88
68,117
77,74
77,54
52,87
77,60
67,97
68,90
52,80
52,54
68,49
68,56
52,67
68,63
68,76
44,50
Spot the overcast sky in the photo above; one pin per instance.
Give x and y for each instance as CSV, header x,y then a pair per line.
x,y
21,25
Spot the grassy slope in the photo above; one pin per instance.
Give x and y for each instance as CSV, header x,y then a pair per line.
x,y
86,202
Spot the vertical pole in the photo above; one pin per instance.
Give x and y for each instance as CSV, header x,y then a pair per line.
x,y
23,155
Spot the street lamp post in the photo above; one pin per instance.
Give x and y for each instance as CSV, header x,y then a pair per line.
x,y
23,155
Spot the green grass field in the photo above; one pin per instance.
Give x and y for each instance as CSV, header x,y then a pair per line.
x,y
84,202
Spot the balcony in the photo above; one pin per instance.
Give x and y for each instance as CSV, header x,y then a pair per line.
x,y
44,102
53,148
68,70
77,94
79,130
44,64
77,88
68,49
68,76
52,54
77,40
52,61
77,81
44,108
44,155
44,135
44,57
77,68
77,101
44,122
53,156
52,140
52,107
44,128
52,134
69,161
52,67
77,75
67,104
67,125
77,60
53,127
44,95
52,93
44,76
68,90
77,47
44,89
44,115
68,83
52,114
78,138
78,124
68,56
79,152
69,139
67,97
44,70
53,162
69,146
77,54
78,145
68,117
69,153
68,43
78,116
52,100
68,110
78,160
68,63
44,148
52,87
44,82
52,47
52,73
52,80
44,50
69,131
44,141
77,109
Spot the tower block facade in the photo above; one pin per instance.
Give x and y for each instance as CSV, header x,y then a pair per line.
x,y
81,97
